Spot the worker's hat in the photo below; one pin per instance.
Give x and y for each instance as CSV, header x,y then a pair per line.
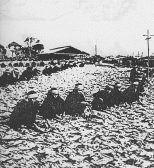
x,y
135,83
32,94
117,84
108,87
7,70
139,79
16,69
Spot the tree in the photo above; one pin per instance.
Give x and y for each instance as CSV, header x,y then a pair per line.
x,y
25,51
2,51
38,47
30,41
14,47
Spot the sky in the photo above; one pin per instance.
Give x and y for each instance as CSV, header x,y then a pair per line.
x,y
115,26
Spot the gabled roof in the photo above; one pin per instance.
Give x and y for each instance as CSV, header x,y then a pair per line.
x,y
59,48
67,50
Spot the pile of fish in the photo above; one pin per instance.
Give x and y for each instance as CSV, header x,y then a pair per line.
x,y
122,137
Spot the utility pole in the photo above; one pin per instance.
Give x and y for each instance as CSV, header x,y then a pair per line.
x,y
142,55
148,38
138,54
95,49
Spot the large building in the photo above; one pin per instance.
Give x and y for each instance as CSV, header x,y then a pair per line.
x,y
66,52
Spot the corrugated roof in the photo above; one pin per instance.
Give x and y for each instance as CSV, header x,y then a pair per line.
x,y
67,50
54,50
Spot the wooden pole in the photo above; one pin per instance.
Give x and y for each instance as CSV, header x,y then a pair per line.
x,y
148,38
148,58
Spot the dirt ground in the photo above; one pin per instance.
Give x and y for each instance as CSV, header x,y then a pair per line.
x,y
124,138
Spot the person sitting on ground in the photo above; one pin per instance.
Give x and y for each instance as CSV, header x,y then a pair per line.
x,y
136,92
21,64
6,78
16,74
65,66
27,74
45,70
108,96
24,113
81,65
141,85
36,72
98,103
142,82
105,95
131,94
53,105
75,101
133,74
56,68
42,63
115,95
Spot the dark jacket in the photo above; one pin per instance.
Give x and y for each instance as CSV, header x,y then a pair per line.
x,y
98,104
141,84
73,103
23,114
130,94
27,74
51,106
105,95
6,79
133,74
55,69
47,71
115,97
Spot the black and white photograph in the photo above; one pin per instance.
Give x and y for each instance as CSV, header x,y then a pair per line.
x,y
76,83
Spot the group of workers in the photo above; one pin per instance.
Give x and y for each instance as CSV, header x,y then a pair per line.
x,y
53,106
10,77
113,96
66,64
26,110
75,104
53,68
21,64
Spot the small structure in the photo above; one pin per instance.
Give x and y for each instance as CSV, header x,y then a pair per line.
x,y
119,59
144,61
66,52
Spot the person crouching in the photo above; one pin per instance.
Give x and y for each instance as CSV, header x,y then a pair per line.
x,y
25,112
75,103
53,105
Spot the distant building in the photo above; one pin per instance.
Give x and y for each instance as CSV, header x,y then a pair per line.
x,y
66,52
119,59
144,61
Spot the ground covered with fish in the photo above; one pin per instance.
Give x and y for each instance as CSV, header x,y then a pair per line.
x,y
124,138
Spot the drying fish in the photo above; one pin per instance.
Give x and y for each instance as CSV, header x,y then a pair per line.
x,y
75,141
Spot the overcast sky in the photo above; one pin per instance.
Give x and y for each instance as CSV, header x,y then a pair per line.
x,y
116,26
